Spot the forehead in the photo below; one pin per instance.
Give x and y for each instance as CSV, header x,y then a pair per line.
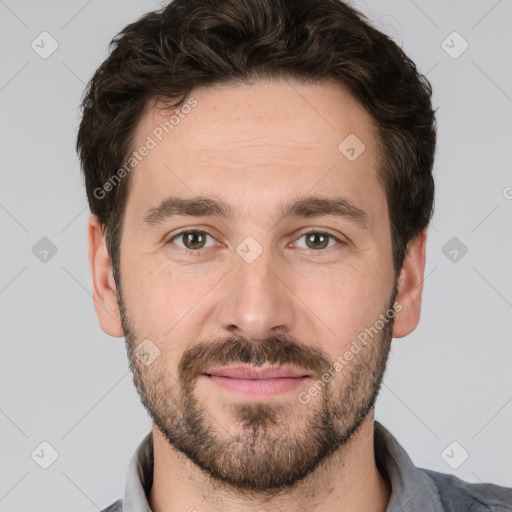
x,y
315,114
237,138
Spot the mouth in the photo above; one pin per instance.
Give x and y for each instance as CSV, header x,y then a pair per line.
x,y
258,382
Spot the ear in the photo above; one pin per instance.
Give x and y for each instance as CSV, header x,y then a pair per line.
x,y
104,287
410,287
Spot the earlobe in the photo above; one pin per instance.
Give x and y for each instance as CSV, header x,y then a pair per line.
x,y
410,287
104,287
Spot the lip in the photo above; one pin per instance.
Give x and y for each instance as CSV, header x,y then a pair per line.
x,y
257,382
252,373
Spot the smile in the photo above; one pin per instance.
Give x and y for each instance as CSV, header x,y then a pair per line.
x,y
257,382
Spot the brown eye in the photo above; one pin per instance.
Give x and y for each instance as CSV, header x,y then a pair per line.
x,y
192,239
317,241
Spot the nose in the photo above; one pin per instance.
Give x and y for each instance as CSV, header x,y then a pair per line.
x,y
258,301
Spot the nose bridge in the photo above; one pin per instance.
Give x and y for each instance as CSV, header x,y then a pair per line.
x,y
257,304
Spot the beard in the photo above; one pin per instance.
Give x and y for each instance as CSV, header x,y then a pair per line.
x,y
267,454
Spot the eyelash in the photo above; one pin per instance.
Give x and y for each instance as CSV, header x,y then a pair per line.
x,y
198,253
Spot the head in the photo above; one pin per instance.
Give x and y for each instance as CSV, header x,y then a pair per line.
x,y
259,175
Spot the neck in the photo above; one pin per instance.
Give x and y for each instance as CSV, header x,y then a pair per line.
x,y
348,480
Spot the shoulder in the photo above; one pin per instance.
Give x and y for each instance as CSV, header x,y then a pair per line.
x,y
457,495
115,507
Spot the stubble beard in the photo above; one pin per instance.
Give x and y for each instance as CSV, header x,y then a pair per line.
x,y
266,455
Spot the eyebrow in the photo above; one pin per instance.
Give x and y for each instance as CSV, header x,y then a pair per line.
x,y
208,206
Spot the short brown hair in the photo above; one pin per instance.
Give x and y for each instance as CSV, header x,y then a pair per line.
x,y
190,43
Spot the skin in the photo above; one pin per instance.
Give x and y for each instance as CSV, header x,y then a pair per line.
x,y
256,147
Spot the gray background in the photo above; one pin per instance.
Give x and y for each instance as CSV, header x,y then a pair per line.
x,y
65,382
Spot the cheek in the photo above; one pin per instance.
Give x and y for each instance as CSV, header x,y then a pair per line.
x,y
146,294
160,300
345,300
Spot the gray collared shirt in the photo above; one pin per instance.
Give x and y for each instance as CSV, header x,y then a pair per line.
x,y
412,489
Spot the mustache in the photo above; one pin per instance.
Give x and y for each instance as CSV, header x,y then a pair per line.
x,y
274,350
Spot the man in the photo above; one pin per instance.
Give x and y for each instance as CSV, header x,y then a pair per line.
x,y
259,174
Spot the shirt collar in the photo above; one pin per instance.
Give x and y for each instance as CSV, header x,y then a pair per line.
x,y
139,477
411,486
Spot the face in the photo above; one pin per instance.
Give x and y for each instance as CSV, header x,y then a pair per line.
x,y
255,261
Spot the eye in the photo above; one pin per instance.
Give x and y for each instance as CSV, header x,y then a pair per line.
x,y
318,240
193,240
